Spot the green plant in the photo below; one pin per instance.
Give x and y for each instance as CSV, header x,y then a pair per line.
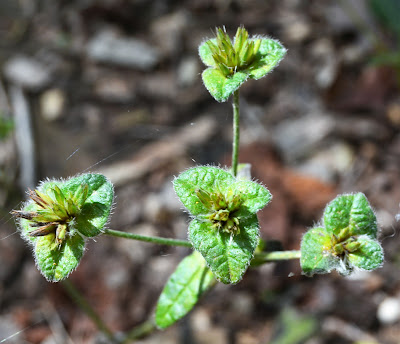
x,y
58,218
345,241
223,205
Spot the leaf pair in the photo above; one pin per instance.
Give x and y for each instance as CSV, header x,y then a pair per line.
x,y
347,240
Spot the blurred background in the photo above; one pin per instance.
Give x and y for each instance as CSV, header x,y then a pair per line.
x,y
114,87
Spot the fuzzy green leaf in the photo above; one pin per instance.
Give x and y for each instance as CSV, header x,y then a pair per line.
x,y
255,197
316,257
205,53
271,52
369,256
227,255
97,207
207,178
187,284
352,211
220,86
57,262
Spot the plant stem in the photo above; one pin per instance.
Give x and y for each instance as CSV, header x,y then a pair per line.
x,y
267,257
263,257
279,255
236,134
85,306
154,240
140,331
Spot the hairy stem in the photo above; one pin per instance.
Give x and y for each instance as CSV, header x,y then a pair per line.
x,y
279,255
154,240
85,306
268,257
236,129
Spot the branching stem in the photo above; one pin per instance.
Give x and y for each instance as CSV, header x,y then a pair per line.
x,y
264,257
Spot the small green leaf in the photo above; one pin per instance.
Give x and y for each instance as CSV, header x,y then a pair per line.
x,y
220,86
57,262
183,290
369,256
352,211
226,254
271,52
206,54
255,197
97,206
316,255
206,178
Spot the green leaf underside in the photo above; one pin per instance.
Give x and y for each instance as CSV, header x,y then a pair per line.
x,y
220,86
353,211
183,290
369,256
315,254
256,197
207,178
57,263
227,255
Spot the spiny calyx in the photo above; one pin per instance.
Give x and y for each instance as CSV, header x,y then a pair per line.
x,y
222,210
232,57
54,211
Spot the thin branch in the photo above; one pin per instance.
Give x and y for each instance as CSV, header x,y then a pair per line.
x,y
154,240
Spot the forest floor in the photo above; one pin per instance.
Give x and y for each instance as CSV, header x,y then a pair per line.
x,y
114,87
